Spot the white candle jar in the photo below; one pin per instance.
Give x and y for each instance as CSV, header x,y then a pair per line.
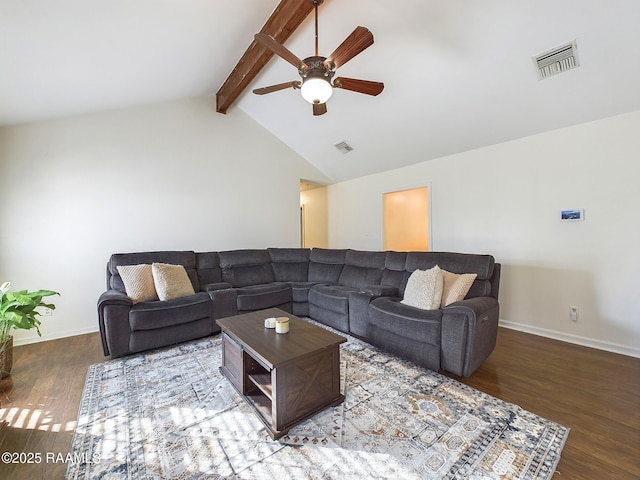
x,y
282,325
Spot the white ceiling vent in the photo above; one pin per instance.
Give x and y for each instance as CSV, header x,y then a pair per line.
x,y
344,147
557,60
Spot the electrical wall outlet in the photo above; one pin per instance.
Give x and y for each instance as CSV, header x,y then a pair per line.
x,y
574,313
47,312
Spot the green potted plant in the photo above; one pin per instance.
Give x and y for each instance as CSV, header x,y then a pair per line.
x,y
18,310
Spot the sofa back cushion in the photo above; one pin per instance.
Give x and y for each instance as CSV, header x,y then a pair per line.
x,y
362,268
246,267
395,274
185,258
208,267
290,264
482,265
325,265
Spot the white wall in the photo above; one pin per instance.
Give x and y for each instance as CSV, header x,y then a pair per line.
x,y
506,200
168,176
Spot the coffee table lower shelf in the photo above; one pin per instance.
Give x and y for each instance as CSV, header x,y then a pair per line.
x,y
262,407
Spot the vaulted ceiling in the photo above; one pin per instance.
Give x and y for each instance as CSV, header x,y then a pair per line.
x,y
458,74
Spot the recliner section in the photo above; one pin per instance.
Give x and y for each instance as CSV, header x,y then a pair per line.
x,y
128,328
357,292
251,274
291,265
329,302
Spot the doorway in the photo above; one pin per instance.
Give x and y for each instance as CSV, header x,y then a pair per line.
x,y
313,215
406,220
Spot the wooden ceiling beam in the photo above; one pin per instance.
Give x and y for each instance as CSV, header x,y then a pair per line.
x,y
285,19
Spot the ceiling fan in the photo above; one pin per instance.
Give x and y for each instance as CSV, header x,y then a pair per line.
x,y
316,71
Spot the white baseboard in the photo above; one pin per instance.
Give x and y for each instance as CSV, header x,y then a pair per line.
x,y
52,336
576,339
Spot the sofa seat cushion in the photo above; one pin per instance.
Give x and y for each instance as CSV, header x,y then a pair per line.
x,y
147,339
331,297
161,314
300,291
266,295
387,313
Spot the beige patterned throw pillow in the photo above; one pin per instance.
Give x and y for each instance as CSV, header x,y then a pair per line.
x,y
424,289
456,286
138,282
171,281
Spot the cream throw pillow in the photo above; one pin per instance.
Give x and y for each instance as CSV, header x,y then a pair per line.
x,y
171,281
424,289
138,282
456,286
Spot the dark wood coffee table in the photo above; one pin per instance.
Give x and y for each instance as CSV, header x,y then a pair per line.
x,y
286,378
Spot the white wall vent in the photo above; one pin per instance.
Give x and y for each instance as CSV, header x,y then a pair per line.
x,y
344,147
557,60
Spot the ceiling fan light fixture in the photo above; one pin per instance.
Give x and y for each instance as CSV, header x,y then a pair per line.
x,y
316,71
316,89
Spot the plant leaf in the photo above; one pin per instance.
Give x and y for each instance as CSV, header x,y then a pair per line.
x,y
18,310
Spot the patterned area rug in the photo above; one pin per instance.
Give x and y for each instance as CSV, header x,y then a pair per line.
x,y
170,414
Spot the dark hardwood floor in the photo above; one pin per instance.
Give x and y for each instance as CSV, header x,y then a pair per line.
x,y
595,393
40,402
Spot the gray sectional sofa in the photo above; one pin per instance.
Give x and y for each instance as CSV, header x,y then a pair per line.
x,y
356,292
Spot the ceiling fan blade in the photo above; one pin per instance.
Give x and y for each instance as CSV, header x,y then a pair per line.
x,y
361,86
360,39
275,88
319,108
269,42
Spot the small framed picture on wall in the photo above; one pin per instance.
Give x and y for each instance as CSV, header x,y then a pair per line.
x,y
572,215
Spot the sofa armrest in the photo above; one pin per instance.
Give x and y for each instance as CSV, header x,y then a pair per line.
x,y
359,307
478,305
469,331
113,320
211,287
225,303
114,297
380,290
